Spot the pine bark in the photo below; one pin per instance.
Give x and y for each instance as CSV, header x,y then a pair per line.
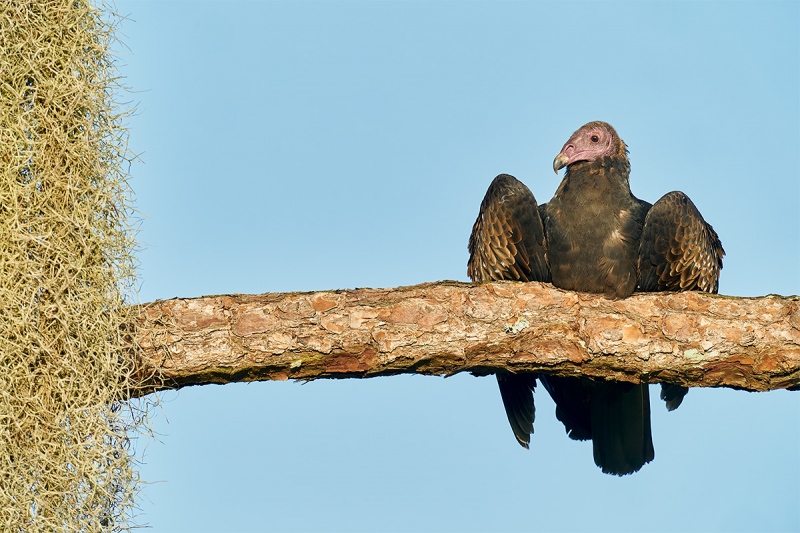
x,y
693,339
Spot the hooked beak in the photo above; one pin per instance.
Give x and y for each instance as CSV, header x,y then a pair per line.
x,y
560,162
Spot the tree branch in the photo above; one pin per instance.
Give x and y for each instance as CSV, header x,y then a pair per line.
x,y
690,338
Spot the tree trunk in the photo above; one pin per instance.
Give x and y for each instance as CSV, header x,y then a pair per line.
x,y
690,338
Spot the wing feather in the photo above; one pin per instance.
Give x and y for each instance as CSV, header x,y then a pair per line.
x,y
679,251
516,390
507,240
508,243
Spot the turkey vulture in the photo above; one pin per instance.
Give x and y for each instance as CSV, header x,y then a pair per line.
x,y
593,236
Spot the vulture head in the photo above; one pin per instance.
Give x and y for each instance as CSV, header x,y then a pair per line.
x,y
592,141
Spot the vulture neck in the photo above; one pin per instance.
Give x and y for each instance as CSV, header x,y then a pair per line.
x,y
596,181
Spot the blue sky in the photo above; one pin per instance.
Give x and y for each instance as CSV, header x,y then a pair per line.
x,y
296,146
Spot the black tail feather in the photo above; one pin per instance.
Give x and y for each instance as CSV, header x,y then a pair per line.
x,y
516,391
621,433
615,416
673,395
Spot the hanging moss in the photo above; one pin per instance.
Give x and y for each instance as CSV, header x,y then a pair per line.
x,y
66,273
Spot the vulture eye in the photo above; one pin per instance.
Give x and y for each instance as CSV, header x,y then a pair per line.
x,y
595,138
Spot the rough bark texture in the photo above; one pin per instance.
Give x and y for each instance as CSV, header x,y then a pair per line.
x,y
691,338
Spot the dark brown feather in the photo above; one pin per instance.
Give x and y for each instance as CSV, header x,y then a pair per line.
x,y
507,240
507,243
516,391
679,251
621,434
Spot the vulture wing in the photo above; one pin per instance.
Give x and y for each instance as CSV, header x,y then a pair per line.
x,y
679,251
507,243
507,240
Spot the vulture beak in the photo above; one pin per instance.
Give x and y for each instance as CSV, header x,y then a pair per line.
x,y
560,162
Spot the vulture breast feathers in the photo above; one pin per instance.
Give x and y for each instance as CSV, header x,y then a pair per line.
x,y
593,236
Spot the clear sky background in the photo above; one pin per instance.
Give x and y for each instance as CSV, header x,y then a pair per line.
x,y
299,146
